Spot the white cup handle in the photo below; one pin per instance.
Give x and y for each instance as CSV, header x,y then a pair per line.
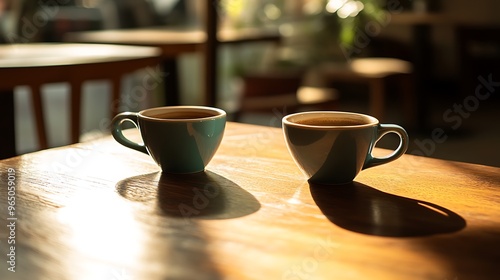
x,y
384,129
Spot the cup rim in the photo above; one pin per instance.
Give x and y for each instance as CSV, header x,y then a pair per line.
x,y
146,113
370,121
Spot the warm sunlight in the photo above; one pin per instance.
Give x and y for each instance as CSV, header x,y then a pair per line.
x,y
380,66
94,225
344,8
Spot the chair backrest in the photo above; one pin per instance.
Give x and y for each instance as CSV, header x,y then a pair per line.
x,y
479,54
479,47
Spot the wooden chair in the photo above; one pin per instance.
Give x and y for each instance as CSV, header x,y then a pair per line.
x,y
37,64
479,55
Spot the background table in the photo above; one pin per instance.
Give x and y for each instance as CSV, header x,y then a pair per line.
x,y
41,63
175,42
99,210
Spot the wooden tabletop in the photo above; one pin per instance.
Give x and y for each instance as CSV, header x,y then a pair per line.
x,y
98,210
56,54
26,64
437,18
172,41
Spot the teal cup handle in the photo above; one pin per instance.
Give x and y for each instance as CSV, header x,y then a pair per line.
x,y
384,129
117,132
180,139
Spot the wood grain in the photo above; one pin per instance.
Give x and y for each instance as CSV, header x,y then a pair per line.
x,y
98,210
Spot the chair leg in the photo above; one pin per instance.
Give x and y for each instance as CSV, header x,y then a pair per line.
x,y
115,95
36,95
236,116
377,98
407,86
76,102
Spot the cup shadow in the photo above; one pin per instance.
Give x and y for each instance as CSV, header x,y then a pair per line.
x,y
204,195
363,209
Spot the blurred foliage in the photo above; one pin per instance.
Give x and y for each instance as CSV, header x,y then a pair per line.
x,y
312,32
312,19
372,11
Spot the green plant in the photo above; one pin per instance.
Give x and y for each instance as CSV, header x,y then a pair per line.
x,y
351,14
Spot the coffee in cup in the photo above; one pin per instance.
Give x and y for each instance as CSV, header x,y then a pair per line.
x,y
180,139
332,147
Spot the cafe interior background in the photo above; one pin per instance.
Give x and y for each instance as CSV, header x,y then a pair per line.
x,y
313,32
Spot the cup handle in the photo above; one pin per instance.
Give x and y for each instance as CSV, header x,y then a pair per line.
x,y
117,133
382,130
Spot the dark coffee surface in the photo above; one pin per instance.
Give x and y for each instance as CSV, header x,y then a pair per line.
x,y
185,115
330,122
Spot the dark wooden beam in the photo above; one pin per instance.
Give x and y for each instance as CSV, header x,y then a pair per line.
x,y
7,125
210,53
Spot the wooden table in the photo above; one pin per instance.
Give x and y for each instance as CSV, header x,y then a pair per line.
x,y
42,63
99,210
177,41
172,42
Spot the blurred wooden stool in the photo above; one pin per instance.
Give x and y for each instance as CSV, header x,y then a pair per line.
x,y
265,92
375,72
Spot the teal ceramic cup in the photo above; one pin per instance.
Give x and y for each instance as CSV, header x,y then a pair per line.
x,y
333,147
180,139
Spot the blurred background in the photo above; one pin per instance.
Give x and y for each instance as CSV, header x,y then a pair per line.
x,y
448,50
